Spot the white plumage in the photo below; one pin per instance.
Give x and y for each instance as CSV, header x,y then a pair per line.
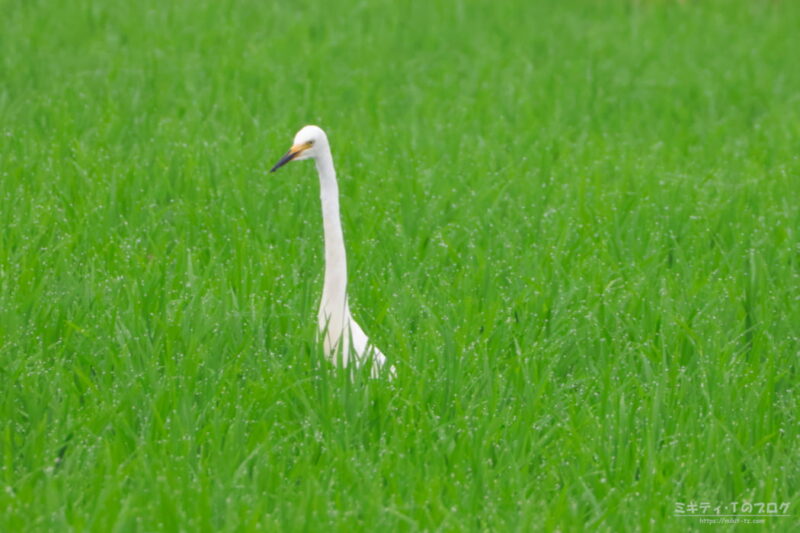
x,y
343,339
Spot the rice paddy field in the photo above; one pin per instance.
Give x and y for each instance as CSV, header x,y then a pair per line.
x,y
572,226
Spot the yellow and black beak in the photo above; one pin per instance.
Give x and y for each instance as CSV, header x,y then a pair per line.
x,y
293,152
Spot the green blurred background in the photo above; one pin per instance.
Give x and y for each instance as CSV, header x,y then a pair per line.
x,y
572,226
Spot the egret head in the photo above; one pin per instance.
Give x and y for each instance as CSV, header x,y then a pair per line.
x,y
307,144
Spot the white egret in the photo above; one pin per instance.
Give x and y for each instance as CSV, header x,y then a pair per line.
x,y
342,336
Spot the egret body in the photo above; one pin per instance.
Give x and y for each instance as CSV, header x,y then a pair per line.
x,y
342,337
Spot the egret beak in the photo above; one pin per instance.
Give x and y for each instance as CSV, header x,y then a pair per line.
x,y
293,152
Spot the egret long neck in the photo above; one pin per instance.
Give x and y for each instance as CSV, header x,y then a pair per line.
x,y
334,291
